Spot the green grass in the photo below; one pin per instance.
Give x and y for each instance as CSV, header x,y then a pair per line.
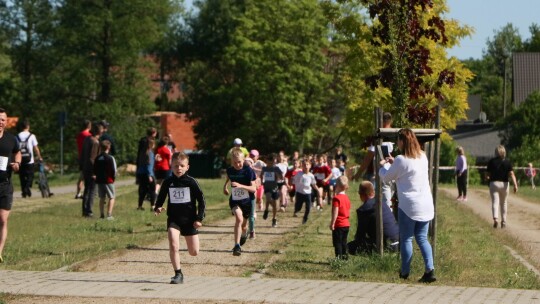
x,y
468,253
55,235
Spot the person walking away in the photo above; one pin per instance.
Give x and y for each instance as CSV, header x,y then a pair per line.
x,y
142,148
415,210
90,151
242,180
461,174
10,161
85,132
185,211
146,177
28,145
499,171
530,172
105,174
339,224
305,185
257,167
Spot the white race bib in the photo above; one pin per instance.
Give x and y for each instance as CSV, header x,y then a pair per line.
x,y
180,195
320,176
239,194
4,162
269,176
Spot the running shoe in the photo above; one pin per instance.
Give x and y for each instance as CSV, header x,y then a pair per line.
x,y
274,223
237,250
428,277
243,238
265,214
252,234
177,279
295,215
282,209
110,218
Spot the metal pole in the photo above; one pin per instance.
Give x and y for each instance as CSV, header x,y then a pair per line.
x,y
61,150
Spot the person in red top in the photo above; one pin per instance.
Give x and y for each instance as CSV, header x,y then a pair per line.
x,y
87,125
341,206
291,173
322,173
162,166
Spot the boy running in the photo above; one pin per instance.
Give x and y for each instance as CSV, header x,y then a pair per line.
x,y
185,211
270,176
304,181
242,179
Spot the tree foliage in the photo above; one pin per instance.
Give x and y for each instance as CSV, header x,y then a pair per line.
x,y
401,53
259,74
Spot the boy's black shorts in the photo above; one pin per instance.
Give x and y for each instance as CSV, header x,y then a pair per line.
x,y
245,207
186,228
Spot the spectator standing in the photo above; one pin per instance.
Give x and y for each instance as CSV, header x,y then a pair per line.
x,y
106,136
499,171
170,144
415,210
85,132
530,172
146,176
162,166
28,145
237,143
340,155
339,224
10,161
105,174
461,174
142,149
90,151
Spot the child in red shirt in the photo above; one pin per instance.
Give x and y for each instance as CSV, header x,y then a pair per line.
x,y
339,224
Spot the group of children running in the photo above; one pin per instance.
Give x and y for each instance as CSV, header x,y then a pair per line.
x,y
251,183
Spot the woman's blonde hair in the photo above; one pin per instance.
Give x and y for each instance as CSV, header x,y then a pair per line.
x,y
460,151
411,146
500,152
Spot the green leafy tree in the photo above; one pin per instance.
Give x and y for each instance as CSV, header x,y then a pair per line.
x,y
522,123
533,43
259,75
402,54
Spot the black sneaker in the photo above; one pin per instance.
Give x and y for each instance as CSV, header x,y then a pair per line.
x,y
403,276
237,250
265,215
243,238
428,277
274,223
177,279
304,221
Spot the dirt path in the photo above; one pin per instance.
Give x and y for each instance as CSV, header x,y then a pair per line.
x,y
215,257
523,219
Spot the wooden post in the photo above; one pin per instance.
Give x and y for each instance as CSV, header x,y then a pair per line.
x,y
437,143
378,207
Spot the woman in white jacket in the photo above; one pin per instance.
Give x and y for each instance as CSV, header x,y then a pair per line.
x,y
410,171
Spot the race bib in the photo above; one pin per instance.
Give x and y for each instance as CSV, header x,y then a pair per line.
x,y
239,194
269,176
320,176
180,195
4,162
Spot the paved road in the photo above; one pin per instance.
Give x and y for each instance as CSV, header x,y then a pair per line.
x,y
87,284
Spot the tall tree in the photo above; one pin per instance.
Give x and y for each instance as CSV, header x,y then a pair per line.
x,y
259,74
402,54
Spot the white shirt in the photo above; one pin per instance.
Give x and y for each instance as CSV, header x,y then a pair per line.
x,y
303,182
412,182
283,167
31,143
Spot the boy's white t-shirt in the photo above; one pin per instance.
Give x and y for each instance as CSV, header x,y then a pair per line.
x,y
303,182
336,173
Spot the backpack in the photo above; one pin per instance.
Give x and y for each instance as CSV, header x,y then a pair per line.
x,y
25,151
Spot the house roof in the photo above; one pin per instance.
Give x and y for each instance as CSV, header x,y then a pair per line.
x,y
480,143
526,75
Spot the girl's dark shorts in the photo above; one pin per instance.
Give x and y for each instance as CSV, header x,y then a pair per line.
x,y
186,228
161,174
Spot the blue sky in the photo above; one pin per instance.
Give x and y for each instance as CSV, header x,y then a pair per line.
x,y
489,15
485,16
